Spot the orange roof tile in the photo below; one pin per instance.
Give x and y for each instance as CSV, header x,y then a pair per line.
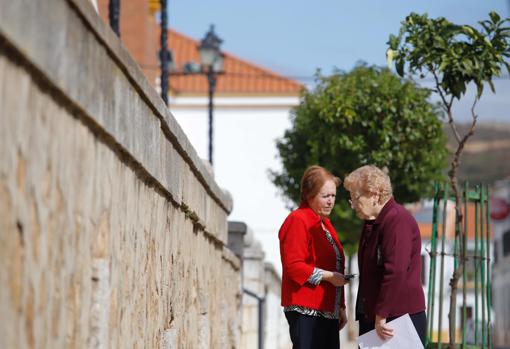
x,y
240,77
426,227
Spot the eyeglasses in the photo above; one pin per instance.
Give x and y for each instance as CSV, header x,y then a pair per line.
x,y
354,200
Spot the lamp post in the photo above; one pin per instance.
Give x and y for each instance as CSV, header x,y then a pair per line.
x,y
165,55
113,15
211,64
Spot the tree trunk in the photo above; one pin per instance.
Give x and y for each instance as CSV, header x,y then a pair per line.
x,y
459,232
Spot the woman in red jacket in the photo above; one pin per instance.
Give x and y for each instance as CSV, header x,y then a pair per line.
x,y
313,264
389,256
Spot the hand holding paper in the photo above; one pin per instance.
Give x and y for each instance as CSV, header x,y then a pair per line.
x,y
383,330
404,336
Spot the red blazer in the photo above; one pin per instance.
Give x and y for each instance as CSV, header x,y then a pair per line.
x,y
303,246
389,260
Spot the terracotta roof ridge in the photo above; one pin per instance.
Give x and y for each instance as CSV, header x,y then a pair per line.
x,y
266,71
187,37
252,65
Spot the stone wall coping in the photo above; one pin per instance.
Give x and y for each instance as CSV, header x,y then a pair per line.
x,y
237,227
174,132
122,58
230,257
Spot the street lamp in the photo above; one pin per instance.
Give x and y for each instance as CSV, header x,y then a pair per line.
x,y
165,55
211,64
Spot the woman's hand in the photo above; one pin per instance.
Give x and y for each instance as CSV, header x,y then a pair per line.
x,y
342,318
335,278
383,330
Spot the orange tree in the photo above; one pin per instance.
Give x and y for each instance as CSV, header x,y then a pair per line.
x,y
366,116
454,56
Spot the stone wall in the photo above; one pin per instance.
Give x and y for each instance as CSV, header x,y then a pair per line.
x,y
112,232
261,280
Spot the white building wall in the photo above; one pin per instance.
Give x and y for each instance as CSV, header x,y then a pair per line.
x,y
245,130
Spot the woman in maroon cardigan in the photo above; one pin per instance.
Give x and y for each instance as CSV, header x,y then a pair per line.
x,y
389,256
313,264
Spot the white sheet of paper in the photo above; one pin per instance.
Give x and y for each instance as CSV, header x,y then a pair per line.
x,y
404,336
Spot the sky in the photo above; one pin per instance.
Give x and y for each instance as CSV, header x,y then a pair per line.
x,y
295,38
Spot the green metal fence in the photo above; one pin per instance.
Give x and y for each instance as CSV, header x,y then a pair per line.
x,y
475,326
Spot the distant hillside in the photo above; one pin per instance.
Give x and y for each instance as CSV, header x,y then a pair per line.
x,y
486,157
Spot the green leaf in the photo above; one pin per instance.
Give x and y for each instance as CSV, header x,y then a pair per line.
x,y
468,30
389,57
494,16
457,54
491,84
507,65
393,42
479,90
399,66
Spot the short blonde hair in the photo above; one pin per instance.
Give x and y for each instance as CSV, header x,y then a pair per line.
x,y
369,179
312,181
